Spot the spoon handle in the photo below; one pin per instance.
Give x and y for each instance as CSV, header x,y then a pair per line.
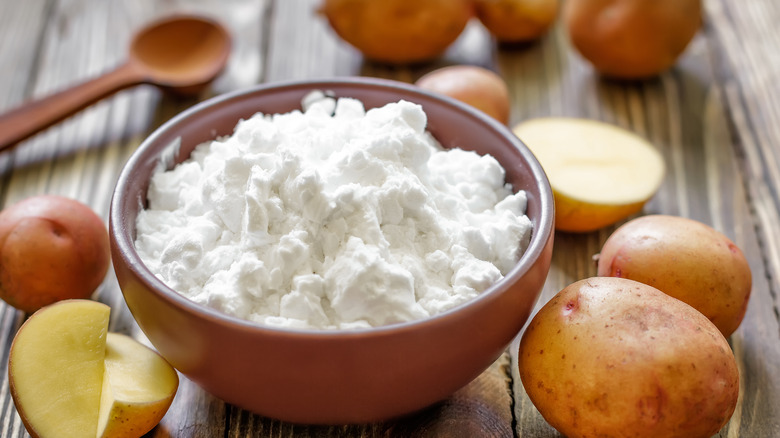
x,y
37,115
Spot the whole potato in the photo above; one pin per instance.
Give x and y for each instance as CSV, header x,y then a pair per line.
x,y
398,31
631,39
610,357
515,21
477,86
51,248
686,259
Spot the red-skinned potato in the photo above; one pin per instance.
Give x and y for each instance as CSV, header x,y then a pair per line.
x,y
51,248
686,259
516,21
477,86
611,357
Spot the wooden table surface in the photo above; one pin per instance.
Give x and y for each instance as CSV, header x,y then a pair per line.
x,y
715,117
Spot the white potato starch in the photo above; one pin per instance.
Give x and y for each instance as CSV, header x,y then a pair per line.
x,y
332,218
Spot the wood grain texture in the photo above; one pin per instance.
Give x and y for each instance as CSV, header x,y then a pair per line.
x,y
715,117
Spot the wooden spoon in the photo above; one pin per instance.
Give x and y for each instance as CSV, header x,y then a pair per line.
x,y
181,54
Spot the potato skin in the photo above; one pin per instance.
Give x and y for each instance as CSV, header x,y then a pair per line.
x,y
686,259
398,31
477,86
51,248
515,21
575,216
610,357
631,39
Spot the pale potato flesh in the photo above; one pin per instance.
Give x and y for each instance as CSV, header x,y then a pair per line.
x,y
56,368
599,173
70,378
139,387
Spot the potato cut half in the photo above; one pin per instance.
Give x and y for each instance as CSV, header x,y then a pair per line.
x,y
55,368
599,173
138,388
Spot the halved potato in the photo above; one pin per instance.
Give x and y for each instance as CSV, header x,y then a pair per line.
x,y
138,388
55,368
70,378
599,173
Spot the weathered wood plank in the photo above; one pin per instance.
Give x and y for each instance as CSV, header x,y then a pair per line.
x,y
745,43
21,29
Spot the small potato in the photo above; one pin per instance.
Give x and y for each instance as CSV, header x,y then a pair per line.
x,y
516,21
51,248
398,31
477,86
685,259
610,357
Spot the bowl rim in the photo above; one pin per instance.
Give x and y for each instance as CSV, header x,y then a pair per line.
x,y
124,243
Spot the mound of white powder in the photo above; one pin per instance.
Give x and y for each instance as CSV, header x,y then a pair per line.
x,y
331,218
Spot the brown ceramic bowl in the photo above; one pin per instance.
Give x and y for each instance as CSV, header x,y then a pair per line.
x,y
331,377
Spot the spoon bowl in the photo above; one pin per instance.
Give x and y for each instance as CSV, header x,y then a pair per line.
x,y
182,54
